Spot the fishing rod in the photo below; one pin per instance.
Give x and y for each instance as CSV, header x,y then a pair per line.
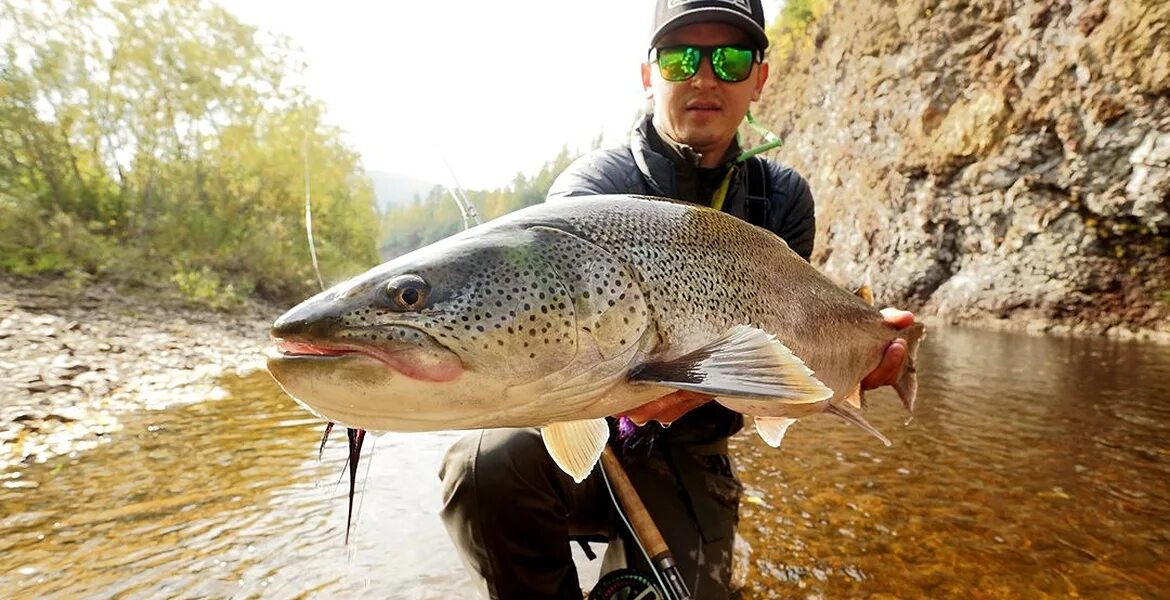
x,y
646,535
466,208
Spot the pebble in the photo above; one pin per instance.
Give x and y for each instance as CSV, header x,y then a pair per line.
x,y
75,360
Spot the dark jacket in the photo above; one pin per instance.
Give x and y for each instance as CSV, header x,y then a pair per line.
x,y
650,165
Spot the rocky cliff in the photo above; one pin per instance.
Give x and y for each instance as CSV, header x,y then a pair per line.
x,y
993,161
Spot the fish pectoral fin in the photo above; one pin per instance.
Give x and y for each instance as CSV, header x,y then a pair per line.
x,y
746,363
854,417
576,445
772,429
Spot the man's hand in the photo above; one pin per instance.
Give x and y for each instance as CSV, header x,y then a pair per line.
x,y
887,371
668,408
672,407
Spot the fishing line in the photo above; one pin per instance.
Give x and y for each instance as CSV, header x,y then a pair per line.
x,y
309,212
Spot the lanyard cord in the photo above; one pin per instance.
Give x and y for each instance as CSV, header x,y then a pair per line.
x,y
771,141
721,192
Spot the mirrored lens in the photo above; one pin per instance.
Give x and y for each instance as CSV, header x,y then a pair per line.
x,y
678,64
732,64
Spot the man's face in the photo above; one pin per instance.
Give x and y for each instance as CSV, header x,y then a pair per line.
x,y
703,112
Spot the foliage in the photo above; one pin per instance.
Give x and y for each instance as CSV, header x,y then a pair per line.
x,y
437,215
165,140
791,32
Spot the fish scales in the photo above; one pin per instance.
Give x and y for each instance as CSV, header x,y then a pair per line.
x,y
704,272
568,312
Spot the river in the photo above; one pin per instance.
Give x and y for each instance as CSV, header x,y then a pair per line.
x,y
1035,467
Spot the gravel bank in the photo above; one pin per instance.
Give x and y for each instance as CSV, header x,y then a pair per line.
x,y
73,359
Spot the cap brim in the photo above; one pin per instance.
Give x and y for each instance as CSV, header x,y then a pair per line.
x,y
713,15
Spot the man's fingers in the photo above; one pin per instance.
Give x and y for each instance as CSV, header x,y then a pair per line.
x,y
887,371
668,408
898,318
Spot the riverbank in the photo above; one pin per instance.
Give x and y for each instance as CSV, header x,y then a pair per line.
x,y
75,357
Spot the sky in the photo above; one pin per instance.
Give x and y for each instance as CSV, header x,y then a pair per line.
x,y
492,88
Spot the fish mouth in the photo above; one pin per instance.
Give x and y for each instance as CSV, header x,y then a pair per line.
x,y
300,348
424,359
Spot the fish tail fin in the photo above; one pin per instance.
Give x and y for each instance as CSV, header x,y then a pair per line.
x,y
858,420
907,384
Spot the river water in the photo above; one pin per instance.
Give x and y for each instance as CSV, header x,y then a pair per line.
x,y
1035,467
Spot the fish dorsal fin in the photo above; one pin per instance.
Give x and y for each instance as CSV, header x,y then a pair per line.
x,y
576,445
772,429
746,362
858,420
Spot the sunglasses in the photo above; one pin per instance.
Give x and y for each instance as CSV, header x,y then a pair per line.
x,y
679,63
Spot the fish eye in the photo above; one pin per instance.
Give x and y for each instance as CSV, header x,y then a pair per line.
x,y
407,292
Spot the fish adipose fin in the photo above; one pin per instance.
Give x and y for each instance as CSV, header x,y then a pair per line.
x,y
576,445
772,429
865,292
907,385
746,363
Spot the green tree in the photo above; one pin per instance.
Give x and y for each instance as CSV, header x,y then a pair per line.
x,y
156,139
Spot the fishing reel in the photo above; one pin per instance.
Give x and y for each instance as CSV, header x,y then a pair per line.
x,y
627,584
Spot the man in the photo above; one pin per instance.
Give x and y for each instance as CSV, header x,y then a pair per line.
x,y
509,508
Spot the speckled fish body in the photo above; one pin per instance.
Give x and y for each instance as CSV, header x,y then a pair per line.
x,y
576,310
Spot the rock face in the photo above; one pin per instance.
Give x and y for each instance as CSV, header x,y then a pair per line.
x,y
992,160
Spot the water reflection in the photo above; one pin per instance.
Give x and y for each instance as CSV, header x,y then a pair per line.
x,y
1035,468
228,499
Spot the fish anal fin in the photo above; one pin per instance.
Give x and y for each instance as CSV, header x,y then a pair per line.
x,y
576,445
746,362
772,429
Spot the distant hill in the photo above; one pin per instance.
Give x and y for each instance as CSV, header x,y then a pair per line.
x,y
394,189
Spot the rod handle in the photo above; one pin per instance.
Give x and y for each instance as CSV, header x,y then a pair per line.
x,y
635,510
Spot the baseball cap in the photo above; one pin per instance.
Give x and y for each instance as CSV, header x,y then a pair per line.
x,y
747,15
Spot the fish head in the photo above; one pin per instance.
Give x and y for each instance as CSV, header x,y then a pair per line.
x,y
440,338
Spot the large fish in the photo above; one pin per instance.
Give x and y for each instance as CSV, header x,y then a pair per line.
x,y
564,313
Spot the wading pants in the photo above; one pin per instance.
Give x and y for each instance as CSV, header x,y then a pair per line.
x,y
510,512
